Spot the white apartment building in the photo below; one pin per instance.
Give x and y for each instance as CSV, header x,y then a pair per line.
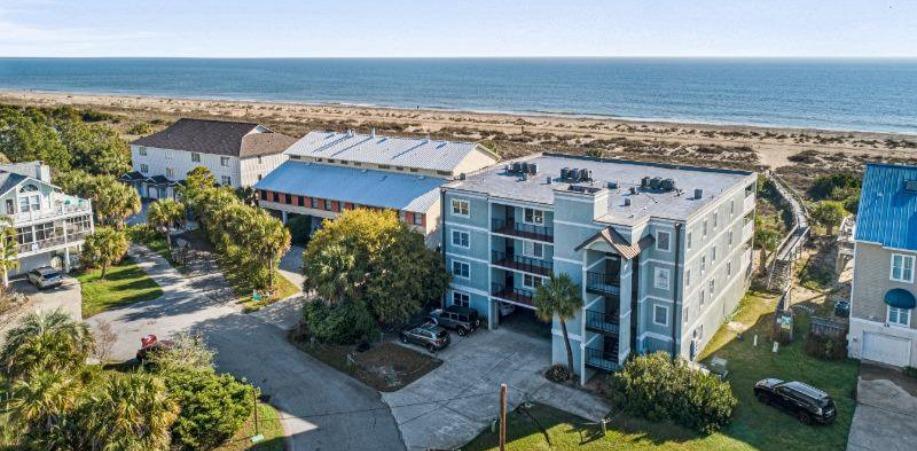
x,y
50,225
237,153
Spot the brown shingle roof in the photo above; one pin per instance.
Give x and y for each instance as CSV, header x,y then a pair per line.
x,y
619,243
236,139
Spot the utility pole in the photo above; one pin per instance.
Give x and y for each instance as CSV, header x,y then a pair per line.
x,y
502,417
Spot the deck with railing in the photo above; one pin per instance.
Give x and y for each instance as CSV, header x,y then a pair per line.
x,y
522,263
603,322
603,283
602,360
522,230
517,295
63,206
52,242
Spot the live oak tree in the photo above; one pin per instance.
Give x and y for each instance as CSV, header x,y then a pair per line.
x,y
104,247
559,296
95,148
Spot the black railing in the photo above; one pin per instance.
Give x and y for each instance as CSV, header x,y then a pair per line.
x,y
522,263
603,283
606,323
602,360
511,294
511,227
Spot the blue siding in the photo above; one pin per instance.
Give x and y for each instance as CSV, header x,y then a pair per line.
x,y
887,213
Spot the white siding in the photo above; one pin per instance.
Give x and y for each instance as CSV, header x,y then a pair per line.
x,y
159,160
251,168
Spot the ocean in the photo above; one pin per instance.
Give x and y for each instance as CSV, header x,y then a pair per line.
x,y
857,94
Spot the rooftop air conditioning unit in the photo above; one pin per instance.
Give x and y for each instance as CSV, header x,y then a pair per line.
x,y
564,173
645,182
517,167
612,185
667,184
698,193
533,168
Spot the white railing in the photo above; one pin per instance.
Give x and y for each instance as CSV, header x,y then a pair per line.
x,y
748,230
62,206
38,246
749,203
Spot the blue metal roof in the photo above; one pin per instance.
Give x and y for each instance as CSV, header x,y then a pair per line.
x,y
888,213
365,187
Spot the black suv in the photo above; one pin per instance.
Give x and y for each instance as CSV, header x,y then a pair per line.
x,y
802,400
429,336
462,320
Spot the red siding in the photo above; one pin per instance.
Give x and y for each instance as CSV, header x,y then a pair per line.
x,y
335,206
409,217
348,206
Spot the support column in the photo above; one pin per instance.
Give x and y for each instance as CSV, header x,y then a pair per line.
x,y
283,216
67,260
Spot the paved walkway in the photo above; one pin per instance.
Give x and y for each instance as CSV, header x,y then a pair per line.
x,y
886,414
320,408
454,403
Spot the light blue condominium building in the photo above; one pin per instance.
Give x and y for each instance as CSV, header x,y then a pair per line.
x,y
662,253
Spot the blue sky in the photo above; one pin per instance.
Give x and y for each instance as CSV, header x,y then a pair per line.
x,y
443,28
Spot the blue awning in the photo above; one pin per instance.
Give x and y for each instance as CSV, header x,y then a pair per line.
x,y
900,298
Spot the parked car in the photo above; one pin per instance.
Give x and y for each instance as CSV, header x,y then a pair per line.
x,y
431,337
46,277
462,320
842,308
150,343
804,401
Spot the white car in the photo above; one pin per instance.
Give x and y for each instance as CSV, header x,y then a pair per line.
x,y
46,277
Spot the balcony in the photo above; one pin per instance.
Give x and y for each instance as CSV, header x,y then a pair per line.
x,y
513,228
603,283
516,295
605,323
602,360
748,203
63,206
521,263
35,247
748,230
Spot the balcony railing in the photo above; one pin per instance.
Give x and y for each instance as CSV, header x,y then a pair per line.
x,y
517,295
748,203
52,242
513,228
602,360
521,263
606,323
603,283
747,231
59,209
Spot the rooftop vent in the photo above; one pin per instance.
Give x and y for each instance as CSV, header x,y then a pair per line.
x,y
698,193
627,202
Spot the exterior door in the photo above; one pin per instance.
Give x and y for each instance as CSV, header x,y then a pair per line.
x,y
153,192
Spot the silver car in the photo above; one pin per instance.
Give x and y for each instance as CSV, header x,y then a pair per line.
x,y
46,277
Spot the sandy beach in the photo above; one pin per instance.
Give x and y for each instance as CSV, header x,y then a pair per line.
x,y
514,135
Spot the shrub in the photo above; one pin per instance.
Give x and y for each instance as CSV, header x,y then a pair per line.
x,y
825,347
345,323
212,406
187,353
140,129
558,373
657,389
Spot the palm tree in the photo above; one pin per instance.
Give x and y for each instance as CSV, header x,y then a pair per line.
x,y
40,405
270,239
130,411
334,273
560,297
50,341
766,240
105,247
9,252
163,214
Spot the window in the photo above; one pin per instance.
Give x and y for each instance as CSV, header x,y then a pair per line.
x,y
418,218
703,264
728,269
689,240
711,285
461,238
144,168
462,299
141,151
530,281
661,278
259,159
661,315
662,241
224,161
704,229
688,278
899,316
226,180
685,314
699,332
533,216
259,177
902,268
701,297
170,173
716,219
326,204
532,249
730,237
460,207
461,269
195,157
713,254
732,208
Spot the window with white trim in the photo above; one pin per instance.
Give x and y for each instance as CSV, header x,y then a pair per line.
x,y
687,277
728,269
713,253
711,286
732,208
701,297
460,207
685,314
532,249
662,278
224,161
461,298
461,238
899,316
704,228
533,216
703,264
663,241
902,268
195,157
661,315
689,240
144,168
226,180
716,219
730,237
461,269
530,281
170,173
141,151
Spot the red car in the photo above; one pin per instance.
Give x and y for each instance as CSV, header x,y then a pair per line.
x,y
149,344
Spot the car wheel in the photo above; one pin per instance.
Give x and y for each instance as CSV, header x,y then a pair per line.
x,y
432,349
764,399
404,339
462,332
804,418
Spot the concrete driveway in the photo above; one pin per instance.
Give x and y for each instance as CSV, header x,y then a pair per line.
x,y
455,402
291,265
320,407
67,297
886,414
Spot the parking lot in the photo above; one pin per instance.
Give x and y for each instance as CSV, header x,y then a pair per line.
x,y
452,404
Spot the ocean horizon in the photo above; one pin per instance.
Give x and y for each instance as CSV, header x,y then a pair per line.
x,y
872,95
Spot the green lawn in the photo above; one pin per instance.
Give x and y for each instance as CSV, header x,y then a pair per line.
x,y
124,284
268,425
284,289
754,425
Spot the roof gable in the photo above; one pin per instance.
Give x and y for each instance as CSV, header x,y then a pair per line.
x,y
237,139
888,212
